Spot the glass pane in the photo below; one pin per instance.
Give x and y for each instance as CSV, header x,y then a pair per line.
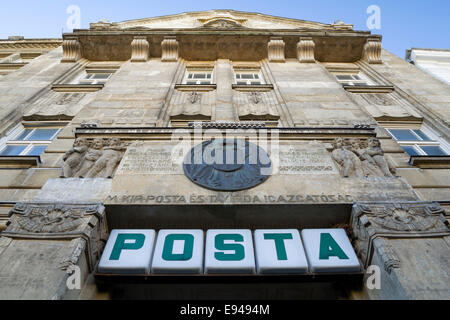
x,y
241,83
191,82
256,76
344,77
199,76
208,76
12,150
23,135
361,84
36,150
404,135
238,76
422,135
205,82
411,150
433,151
247,76
190,76
101,76
256,83
42,134
356,77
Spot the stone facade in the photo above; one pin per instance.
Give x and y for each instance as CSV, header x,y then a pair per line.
x,y
121,92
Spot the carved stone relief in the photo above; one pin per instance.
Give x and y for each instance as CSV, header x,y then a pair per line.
x,y
96,159
191,104
383,106
83,224
55,105
256,105
360,158
374,223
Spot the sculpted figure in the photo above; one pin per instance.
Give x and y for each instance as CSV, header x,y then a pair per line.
x,y
369,166
72,158
375,152
110,158
349,161
92,155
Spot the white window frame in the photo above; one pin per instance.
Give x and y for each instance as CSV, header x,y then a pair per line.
x,y
9,140
435,141
257,77
88,78
188,80
357,79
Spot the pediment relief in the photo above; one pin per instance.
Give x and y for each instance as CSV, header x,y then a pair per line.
x,y
221,23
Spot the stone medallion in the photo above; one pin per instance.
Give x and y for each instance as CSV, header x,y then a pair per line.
x,y
227,165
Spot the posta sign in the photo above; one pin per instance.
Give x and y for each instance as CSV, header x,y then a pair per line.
x,y
228,252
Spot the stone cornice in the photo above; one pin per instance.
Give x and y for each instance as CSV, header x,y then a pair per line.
x,y
30,44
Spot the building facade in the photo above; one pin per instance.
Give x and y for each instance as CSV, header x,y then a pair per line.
x,y
433,61
97,130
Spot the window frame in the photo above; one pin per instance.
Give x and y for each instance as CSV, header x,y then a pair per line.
x,y
85,78
248,82
361,80
435,141
198,82
10,140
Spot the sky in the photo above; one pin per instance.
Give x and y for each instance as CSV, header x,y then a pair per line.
x,y
403,24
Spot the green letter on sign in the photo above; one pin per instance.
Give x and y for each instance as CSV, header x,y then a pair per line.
x,y
239,252
330,248
279,243
188,249
120,244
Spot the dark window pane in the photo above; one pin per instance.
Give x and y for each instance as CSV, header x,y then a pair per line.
x,y
356,77
344,77
23,134
411,150
256,76
208,76
404,135
360,84
247,76
36,150
241,83
433,151
256,83
422,135
205,82
101,76
42,134
238,76
191,82
199,76
12,150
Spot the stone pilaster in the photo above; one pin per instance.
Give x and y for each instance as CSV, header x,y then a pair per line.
x,y
372,51
71,50
44,243
139,49
275,50
409,242
169,48
305,50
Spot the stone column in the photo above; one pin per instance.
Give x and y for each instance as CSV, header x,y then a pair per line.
x,y
372,51
139,49
305,50
275,49
71,50
169,48
42,246
410,243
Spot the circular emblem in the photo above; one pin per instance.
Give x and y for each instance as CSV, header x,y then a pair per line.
x,y
227,165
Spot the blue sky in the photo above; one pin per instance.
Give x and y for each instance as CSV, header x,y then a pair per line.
x,y
404,24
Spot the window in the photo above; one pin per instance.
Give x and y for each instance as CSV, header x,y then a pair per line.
x,y
420,142
353,79
28,141
252,77
198,77
94,78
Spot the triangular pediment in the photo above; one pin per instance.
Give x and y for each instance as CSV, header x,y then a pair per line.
x,y
218,19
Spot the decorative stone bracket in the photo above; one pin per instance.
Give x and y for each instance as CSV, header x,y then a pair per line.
x,y
169,48
305,50
139,49
372,51
82,224
275,49
71,50
374,223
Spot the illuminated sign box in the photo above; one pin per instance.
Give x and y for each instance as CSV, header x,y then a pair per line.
x,y
279,251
